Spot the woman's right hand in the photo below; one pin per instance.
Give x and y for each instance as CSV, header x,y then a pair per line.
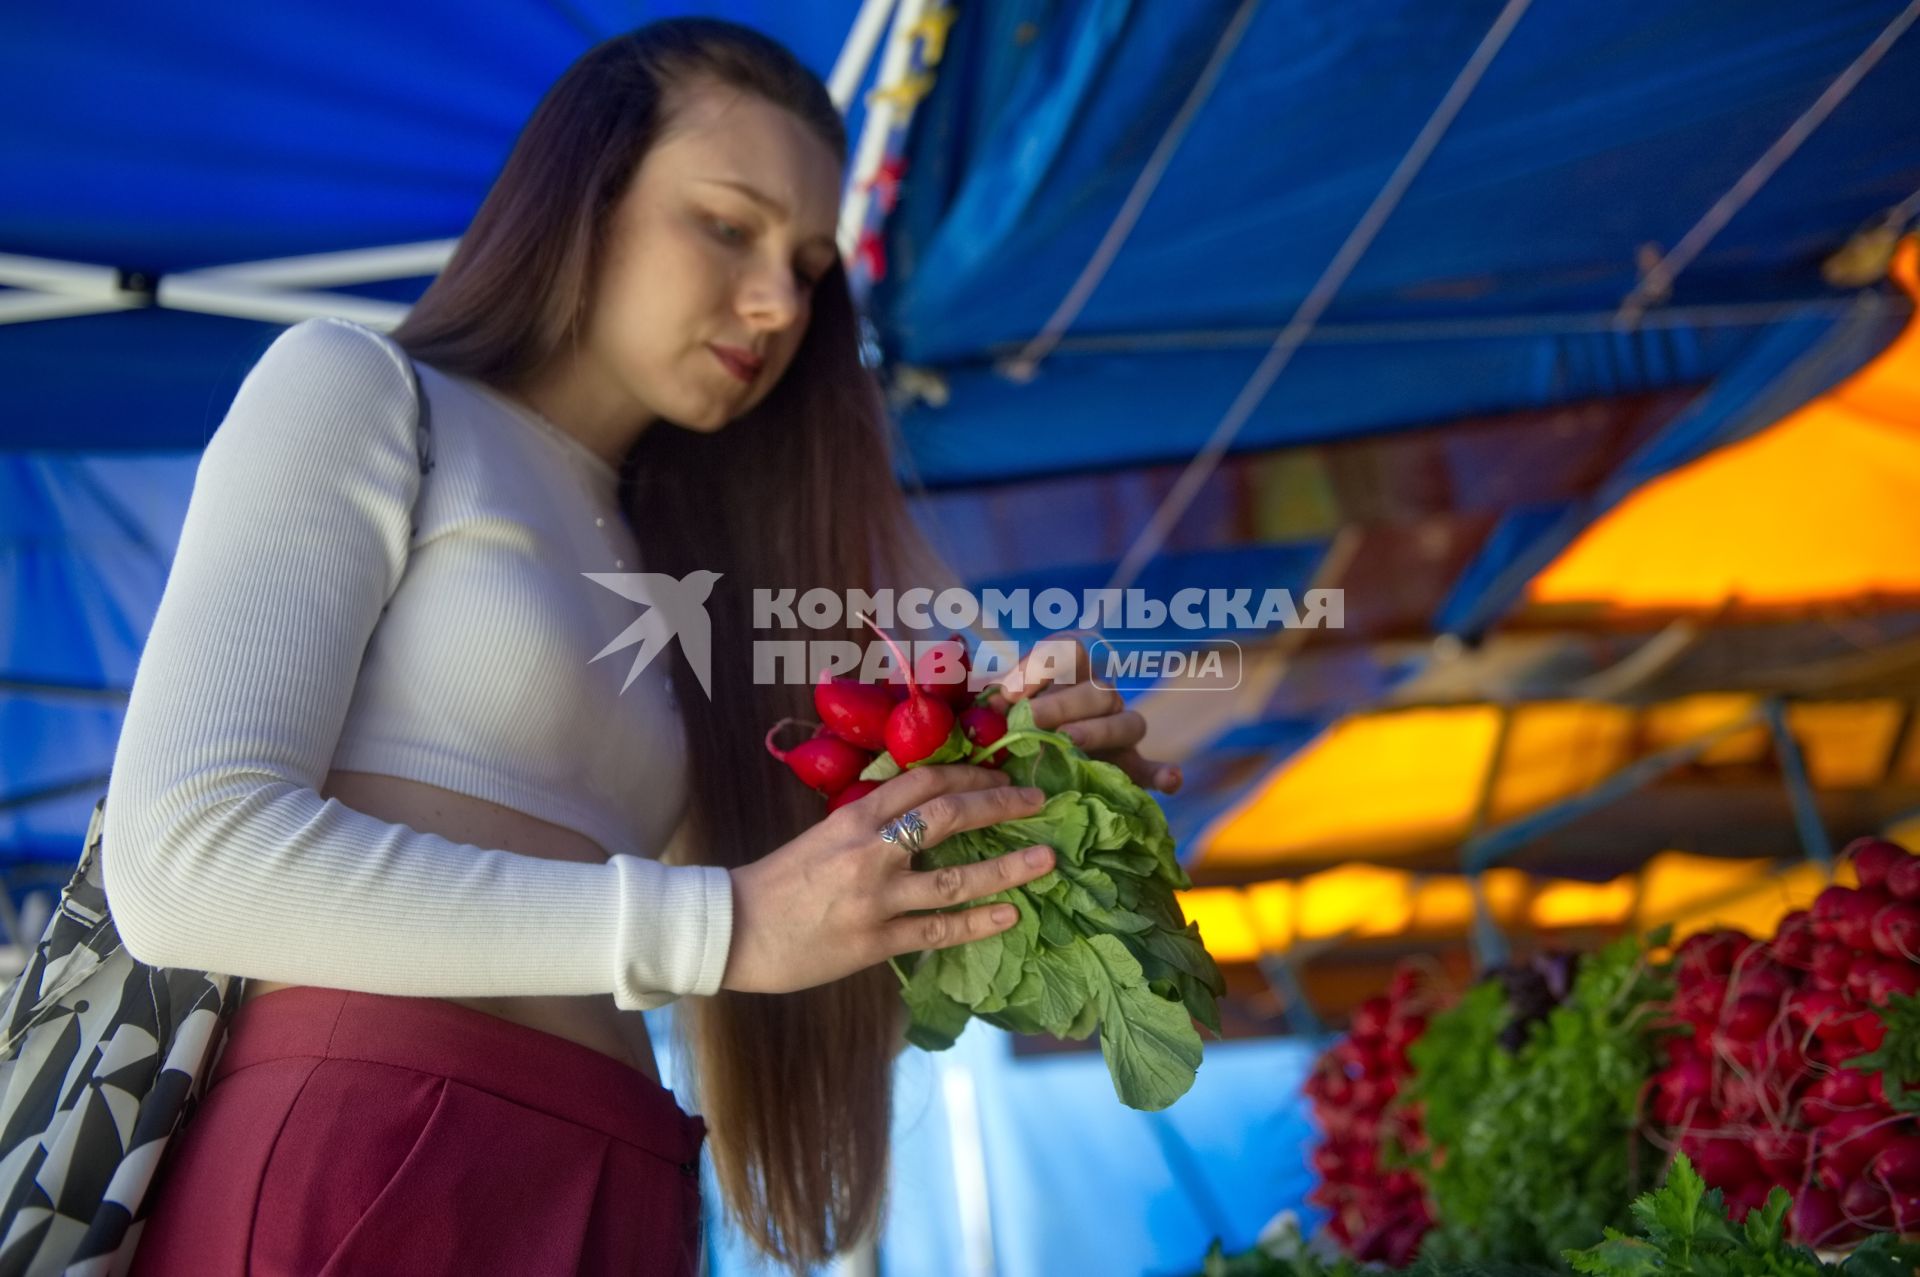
x,y
836,899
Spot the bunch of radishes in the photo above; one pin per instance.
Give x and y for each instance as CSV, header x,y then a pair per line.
x,y
933,716
1376,1212
1758,1095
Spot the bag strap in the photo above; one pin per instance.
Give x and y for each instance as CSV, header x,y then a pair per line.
x,y
423,431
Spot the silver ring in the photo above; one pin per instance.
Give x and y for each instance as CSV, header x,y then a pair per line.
x,y
907,828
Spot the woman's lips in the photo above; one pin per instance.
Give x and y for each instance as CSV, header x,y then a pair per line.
x,y
742,365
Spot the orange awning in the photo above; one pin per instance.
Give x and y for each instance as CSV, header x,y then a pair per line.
x,y
1822,507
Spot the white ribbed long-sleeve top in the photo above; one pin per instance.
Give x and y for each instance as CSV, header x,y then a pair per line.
x,y
329,606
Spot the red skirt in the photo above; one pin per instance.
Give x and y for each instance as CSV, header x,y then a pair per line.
x,y
351,1133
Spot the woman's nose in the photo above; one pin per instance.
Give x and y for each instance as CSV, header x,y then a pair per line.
x,y
771,303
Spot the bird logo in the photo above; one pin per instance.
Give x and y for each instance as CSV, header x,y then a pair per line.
x,y
674,606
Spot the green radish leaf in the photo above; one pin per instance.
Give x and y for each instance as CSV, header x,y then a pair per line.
x,y
1064,969
1085,1022
1183,951
1055,926
882,768
1097,883
955,749
937,1019
1127,860
1053,990
967,971
1151,1048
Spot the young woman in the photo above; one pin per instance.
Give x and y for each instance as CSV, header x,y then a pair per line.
x,y
371,765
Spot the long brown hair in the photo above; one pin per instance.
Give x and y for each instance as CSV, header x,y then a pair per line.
x,y
800,492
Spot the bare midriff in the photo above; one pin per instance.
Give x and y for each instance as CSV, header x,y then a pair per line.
x,y
591,1020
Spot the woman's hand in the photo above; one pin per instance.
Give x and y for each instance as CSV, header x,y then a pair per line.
x,y
837,898
1094,718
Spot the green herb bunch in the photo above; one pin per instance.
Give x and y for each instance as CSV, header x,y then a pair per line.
x,y
1535,1151
1101,943
1685,1232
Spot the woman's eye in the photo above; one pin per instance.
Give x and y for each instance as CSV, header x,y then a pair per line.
x,y
725,231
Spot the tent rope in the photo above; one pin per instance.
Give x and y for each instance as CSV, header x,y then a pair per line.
x,y
1657,283
1188,486
1023,366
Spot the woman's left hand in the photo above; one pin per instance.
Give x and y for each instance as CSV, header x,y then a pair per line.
x,y
1095,718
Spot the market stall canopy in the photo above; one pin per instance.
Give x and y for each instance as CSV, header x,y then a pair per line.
x,y
1820,509
1465,787
1113,209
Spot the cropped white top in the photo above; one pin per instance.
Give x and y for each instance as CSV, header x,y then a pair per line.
x,y
328,607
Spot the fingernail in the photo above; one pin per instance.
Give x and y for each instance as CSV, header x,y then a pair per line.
x,y
1033,795
1039,857
1006,915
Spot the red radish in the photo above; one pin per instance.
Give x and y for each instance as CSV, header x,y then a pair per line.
x,y
1841,1091
1744,1097
1898,1163
1870,1031
1818,1010
1701,1002
919,725
854,711
825,763
852,794
1895,931
983,726
1742,1053
1846,915
1906,1210
1792,944
1763,978
1872,859
1744,1197
1748,1018
1886,977
1781,1151
1403,1243
1370,1018
1816,1218
1722,1162
1867,1204
1836,1051
1680,1088
1903,880
1844,1147
1403,1032
1712,952
1830,962
943,668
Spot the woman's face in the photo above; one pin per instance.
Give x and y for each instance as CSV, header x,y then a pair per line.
x,y
711,259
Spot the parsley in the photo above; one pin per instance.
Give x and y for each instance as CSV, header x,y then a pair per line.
x,y
1533,1152
1686,1232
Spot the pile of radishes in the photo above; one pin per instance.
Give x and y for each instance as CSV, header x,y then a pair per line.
x,y
1758,1095
931,717
1376,1213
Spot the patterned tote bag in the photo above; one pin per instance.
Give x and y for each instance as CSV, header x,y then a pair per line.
x,y
102,1060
